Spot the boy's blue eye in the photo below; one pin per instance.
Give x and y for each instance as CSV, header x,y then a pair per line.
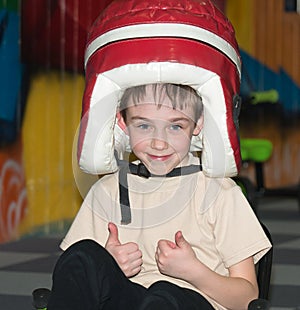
x,y
175,127
144,126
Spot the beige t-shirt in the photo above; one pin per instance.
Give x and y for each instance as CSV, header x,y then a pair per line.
x,y
212,213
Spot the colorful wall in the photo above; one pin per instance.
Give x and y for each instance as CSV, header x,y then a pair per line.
x,y
13,193
41,86
269,38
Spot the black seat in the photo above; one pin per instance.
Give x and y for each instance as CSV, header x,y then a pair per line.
x,y
265,269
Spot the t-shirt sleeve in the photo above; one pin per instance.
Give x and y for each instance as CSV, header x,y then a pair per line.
x,y
91,221
238,232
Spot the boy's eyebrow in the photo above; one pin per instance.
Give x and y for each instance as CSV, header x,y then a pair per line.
x,y
138,117
176,119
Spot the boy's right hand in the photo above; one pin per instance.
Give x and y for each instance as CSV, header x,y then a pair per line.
x,y
127,255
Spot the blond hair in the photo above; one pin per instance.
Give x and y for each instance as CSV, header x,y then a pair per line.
x,y
181,96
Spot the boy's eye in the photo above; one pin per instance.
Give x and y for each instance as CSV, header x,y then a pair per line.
x,y
143,126
175,127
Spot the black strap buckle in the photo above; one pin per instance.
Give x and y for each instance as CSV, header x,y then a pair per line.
x,y
142,171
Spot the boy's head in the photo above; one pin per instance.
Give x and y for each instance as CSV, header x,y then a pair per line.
x,y
160,120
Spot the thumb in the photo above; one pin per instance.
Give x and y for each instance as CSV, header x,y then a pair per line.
x,y
113,234
179,239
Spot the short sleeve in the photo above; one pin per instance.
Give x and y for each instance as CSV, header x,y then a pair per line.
x,y
92,218
238,232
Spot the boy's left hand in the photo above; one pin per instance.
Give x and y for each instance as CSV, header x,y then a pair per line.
x,y
175,258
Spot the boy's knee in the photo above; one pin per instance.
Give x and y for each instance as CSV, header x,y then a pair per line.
x,y
159,296
162,286
83,254
85,246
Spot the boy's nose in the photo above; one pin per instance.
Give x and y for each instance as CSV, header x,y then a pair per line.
x,y
159,144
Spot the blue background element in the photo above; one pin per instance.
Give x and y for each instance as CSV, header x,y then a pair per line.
x,y
10,76
257,77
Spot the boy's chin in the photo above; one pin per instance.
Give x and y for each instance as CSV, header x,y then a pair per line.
x,y
159,169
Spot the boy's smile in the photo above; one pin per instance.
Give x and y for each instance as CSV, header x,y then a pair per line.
x,y
160,135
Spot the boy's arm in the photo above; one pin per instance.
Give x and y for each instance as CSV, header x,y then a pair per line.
x,y
233,292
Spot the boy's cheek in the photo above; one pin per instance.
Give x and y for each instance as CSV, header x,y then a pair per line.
x,y
138,143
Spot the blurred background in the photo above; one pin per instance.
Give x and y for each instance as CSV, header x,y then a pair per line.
x,y
41,86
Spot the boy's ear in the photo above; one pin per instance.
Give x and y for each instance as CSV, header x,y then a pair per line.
x,y
199,126
121,122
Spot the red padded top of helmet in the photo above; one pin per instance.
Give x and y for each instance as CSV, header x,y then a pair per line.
x,y
199,13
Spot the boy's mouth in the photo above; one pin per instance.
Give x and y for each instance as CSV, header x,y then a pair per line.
x,y
159,157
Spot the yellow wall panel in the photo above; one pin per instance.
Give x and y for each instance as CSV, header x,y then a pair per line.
x,y
240,13
51,120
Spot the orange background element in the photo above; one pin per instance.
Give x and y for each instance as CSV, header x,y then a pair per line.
x,y
13,197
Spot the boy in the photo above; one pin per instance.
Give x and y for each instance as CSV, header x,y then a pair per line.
x,y
159,233
173,245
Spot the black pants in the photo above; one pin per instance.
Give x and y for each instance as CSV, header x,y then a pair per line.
x,y
86,277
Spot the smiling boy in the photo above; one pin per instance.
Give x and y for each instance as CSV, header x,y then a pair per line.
x,y
164,231
175,253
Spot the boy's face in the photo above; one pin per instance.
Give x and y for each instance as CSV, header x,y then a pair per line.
x,y
160,136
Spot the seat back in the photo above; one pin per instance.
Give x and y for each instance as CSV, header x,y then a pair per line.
x,y
264,269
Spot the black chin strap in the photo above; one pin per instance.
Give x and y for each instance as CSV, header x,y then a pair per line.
x,y
142,171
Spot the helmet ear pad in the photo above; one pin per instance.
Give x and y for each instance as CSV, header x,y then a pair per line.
x,y
209,64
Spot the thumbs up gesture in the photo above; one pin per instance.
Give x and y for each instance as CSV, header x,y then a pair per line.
x,y
127,255
175,259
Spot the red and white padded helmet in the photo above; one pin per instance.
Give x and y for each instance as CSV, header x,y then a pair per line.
x,y
135,42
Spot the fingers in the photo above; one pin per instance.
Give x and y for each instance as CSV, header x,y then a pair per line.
x,y
131,264
163,249
163,245
130,250
129,258
169,256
